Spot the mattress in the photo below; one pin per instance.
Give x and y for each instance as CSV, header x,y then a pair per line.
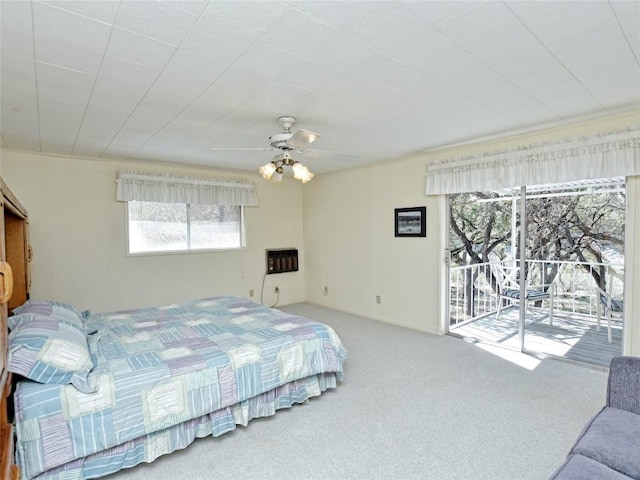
x,y
166,375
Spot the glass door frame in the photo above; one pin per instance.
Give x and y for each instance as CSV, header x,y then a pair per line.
x,y
519,258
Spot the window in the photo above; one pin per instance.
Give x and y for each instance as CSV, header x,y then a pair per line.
x,y
170,227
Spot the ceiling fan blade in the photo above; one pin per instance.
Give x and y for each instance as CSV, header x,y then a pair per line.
x,y
312,153
302,138
241,149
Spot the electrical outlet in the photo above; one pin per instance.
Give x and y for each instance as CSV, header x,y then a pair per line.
x,y
326,291
251,293
277,290
377,298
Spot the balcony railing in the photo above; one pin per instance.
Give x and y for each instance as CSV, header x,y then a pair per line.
x,y
474,288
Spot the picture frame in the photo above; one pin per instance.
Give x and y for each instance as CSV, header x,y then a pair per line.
x,y
411,222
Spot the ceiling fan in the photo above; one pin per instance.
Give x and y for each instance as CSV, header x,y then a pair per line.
x,y
288,142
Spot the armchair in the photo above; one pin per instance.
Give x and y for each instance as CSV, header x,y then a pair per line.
x,y
608,447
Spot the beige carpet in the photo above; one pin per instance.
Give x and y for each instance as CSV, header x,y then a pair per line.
x,y
412,406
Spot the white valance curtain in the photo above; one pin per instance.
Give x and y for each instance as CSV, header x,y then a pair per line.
x,y
149,187
615,154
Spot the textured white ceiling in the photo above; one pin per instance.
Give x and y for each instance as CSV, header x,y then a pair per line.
x,y
166,80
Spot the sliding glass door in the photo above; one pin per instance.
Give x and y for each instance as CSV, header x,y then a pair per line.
x,y
574,250
532,268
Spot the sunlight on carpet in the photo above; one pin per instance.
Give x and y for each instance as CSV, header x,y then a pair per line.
x,y
521,359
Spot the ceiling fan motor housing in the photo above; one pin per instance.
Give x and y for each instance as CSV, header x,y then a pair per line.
x,y
279,140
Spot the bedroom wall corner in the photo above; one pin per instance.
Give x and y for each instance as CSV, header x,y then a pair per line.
x,y
352,251
78,236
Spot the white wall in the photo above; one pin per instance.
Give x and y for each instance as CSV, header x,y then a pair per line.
x,y
632,272
77,231
351,249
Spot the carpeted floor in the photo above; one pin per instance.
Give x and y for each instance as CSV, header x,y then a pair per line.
x,y
412,406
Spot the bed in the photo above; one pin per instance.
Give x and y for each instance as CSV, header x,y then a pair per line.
x,y
108,391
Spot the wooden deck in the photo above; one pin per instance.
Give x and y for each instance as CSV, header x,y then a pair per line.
x,y
572,336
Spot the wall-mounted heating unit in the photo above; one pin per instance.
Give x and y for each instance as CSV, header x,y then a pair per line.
x,y
281,260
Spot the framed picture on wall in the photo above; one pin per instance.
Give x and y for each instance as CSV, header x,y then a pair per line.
x,y
411,222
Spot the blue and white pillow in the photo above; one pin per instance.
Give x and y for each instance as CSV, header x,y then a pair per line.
x,y
51,350
47,308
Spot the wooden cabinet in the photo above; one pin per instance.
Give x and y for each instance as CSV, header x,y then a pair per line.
x,y
15,283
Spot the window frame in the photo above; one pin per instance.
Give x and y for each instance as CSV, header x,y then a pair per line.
x,y
188,250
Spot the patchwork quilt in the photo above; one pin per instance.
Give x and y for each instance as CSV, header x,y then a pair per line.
x,y
165,375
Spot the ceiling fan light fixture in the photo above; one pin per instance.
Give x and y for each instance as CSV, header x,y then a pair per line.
x,y
277,175
267,170
302,173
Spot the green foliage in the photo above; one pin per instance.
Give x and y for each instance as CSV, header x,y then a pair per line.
x,y
570,228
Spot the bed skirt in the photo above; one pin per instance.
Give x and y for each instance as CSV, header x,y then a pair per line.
x,y
151,446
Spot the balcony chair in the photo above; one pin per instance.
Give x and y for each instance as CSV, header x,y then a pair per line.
x,y
609,306
507,278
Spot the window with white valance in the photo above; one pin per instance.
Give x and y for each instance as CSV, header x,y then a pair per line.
x,y
615,154
179,189
167,213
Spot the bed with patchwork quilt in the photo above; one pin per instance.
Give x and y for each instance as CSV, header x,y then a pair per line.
x,y
108,391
